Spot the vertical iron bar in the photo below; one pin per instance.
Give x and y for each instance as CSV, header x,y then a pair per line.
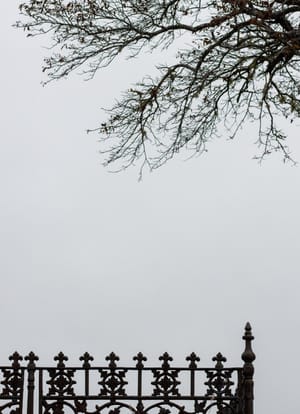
x,y
193,358
22,391
139,383
86,358
248,357
192,382
140,358
31,358
40,391
87,382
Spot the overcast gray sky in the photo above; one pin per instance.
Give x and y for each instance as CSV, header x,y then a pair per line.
x,y
97,261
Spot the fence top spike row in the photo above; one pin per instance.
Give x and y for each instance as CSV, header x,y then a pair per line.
x,y
88,388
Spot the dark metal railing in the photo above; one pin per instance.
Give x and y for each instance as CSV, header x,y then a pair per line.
x,y
140,389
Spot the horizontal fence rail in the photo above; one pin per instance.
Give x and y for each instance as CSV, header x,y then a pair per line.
x,y
139,389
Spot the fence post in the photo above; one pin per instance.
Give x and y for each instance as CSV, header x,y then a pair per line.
x,y
31,358
248,357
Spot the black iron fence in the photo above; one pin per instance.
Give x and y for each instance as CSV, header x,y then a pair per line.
x,y
140,389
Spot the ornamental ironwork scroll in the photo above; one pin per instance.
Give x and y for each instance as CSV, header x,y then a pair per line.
x,y
12,382
165,388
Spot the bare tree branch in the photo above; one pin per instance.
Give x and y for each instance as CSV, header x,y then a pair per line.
x,y
243,65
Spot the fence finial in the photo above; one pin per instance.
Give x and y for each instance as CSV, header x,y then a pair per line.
x,y
248,356
15,358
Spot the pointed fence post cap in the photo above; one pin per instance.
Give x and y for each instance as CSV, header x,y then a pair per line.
x,y
248,356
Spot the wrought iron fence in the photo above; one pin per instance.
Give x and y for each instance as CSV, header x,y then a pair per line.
x,y
140,389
